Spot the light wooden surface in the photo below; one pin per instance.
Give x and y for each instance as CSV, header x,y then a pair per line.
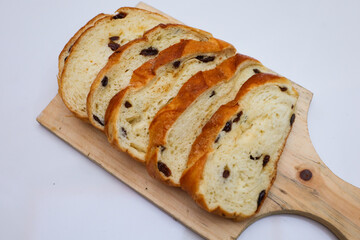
x,y
324,198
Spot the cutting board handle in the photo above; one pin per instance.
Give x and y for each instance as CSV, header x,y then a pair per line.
x,y
310,189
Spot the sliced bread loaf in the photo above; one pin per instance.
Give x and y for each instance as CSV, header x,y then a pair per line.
x,y
176,126
117,73
66,50
232,163
90,52
153,85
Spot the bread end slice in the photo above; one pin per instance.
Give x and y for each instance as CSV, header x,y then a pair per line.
x,y
91,50
67,48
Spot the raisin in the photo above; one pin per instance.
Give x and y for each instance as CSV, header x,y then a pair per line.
x,y
212,93
96,118
266,160
217,138
164,169
123,132
176,64
292,119
226,173
127,104
65,58
104,81
227,127
283,89
306,174
255,158
261,197
162,148
205,59
114,38
292,106
70,48
120,15
256,70
113,46
149,51
238,116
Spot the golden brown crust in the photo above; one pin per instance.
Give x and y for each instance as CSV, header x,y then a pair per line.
x,y
257,80
115,58
203,143
193,88
190,180
66,50
146,72
202,146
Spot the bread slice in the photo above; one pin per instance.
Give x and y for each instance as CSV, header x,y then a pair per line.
x,y
152,86
232,163
90,52
176,126
66,50
117,73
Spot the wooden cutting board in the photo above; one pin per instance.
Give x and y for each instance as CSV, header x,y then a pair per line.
x,y
304,185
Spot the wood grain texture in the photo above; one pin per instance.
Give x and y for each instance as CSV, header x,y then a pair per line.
x,y
324,198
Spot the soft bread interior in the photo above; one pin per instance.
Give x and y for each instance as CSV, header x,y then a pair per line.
x,y
243,163
67,49
118,75
187,127
147,101
91,51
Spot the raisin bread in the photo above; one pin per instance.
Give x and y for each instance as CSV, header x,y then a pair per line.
x,y
91,51
153,85
176,126
117,73
232,163
66,50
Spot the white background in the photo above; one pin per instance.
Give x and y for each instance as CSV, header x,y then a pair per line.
x,y
50,191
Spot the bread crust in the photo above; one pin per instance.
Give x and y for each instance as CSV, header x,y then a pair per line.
x,y
116,57
66,50
189,92
60,79
202,146
147,71
141,10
